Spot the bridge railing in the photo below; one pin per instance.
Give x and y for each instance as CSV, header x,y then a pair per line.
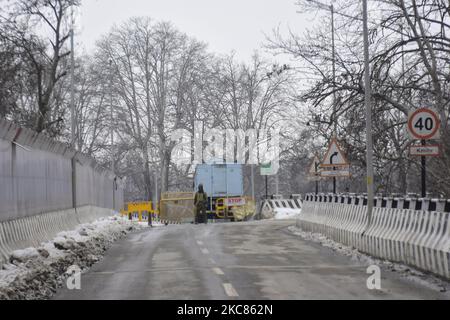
x,y
412,202
410,230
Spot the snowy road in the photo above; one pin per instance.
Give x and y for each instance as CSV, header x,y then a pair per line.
x,y
254,260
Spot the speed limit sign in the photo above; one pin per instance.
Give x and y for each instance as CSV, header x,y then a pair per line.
x,y
423,124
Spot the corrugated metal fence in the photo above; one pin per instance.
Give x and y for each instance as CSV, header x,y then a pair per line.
x,y
39,176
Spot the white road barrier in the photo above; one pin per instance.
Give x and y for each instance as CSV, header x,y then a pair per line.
x,y
270,205
410,230
31,231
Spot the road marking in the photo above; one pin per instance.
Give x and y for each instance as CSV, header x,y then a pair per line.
x,y
229,290
218,271
205,251
200,243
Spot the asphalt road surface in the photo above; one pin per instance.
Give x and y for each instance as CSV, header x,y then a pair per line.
x,y
252,260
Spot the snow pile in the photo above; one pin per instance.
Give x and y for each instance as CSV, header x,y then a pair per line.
x,y
286,213
36,273
24,255
154,224
410,273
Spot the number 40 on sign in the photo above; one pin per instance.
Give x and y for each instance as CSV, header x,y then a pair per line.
x,y
423,124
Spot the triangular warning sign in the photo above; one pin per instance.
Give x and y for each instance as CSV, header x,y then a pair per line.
x,y
334,156
314,170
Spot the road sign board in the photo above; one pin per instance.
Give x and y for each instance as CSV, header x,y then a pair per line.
x,y
342,172
423,124
314,169
334,156
235,201
425,151
266,169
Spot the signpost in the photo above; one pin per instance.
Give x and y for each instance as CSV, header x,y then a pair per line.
x,y
340,172
314,172
425,151
335,164
334,156
424,124
266,170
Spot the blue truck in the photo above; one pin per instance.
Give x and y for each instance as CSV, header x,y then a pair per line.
x,y
224,185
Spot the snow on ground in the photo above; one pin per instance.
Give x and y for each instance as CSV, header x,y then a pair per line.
x,y
36,273
285,213
407,272
154,224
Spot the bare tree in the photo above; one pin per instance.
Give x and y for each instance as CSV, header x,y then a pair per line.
x,y
42,55
409,48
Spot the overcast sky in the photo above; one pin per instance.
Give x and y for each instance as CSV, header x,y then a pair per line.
x,y
225,25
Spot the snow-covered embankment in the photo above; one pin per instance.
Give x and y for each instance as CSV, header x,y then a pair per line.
x,y
36,273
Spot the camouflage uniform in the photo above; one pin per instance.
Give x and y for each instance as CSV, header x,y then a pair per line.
x,y
200,202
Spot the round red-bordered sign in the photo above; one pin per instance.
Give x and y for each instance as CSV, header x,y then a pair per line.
x,y
414,132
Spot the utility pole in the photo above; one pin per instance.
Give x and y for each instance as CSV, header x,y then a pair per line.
x,y
267,191
72,88
155,201
277,191
367,101
333,59
111,128
156,186
333,53
368,104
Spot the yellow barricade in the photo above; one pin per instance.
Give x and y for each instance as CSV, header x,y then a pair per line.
x,y
139,207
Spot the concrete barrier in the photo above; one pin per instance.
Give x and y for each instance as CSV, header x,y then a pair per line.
x,y
269,205
407,230
32,231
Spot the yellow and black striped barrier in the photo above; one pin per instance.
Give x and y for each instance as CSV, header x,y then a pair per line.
x,y
139,209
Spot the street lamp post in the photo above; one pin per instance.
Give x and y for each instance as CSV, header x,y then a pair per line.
x,y
111,128
368,105
367,101
333,52
72,87
333,59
